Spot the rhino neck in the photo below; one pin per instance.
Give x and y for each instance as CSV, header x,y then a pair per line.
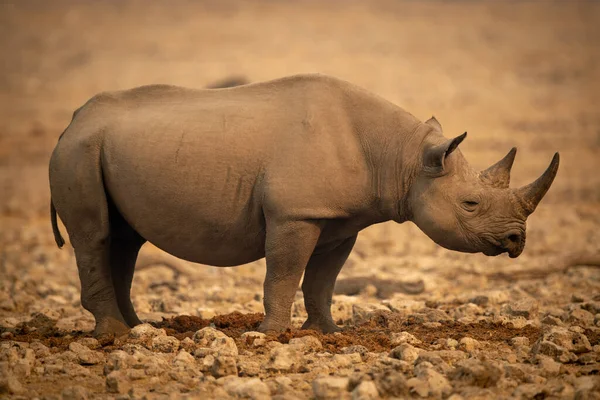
x,y
391,139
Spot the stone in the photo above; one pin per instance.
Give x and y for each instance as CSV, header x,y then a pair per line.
x,y
246,388
90,343
418,387
468,310
397,339
405,352
224,366
306,344
363,312
85,356
437,385
255,339
215,342
527,308
592,306
581,317
548,366
330,388
392,384
346,360
117,382
117,360
284,358
365,390
405,306
570,340
552,320
553,350
39,349
468,344
358,349
529,391
188,345
165,344
519,341
74,393
477,373
248,368
146,332
184,358
587,387
10,385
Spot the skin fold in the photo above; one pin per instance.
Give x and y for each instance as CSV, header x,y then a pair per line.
x,y
290,170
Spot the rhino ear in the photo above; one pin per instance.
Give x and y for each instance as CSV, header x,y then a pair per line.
x,y
435,156
434,123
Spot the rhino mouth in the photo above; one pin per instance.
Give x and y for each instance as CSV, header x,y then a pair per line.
x,y
496,248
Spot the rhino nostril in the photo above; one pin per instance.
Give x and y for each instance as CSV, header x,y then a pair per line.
x,y
514,238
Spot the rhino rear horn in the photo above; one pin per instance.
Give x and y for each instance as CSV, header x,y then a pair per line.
x,y
433,122
531,195
498,175
434,157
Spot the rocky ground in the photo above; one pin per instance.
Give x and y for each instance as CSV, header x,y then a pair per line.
x,y
419,321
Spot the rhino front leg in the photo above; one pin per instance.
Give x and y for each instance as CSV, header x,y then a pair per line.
x,y
319,281
288,248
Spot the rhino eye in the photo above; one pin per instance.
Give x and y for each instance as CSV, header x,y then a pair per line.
x,y
470,205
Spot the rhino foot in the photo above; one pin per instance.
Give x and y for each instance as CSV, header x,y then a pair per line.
x,y
321,326
110,326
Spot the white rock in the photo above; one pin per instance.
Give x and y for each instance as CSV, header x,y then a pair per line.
x,y
330,388
146,331
366,390
224,366
306,343
283,358
117,360
248,368
255,339
10,385
75,393
398,338
468,344
363,312
86,356
405,306
405,352
215,341
519,341
252,388
117,382
437,385
184,358
346,360
165,344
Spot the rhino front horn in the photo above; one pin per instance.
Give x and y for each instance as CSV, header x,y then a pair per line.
x,y
531,195
498,175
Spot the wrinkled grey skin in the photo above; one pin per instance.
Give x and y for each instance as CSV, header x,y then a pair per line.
x,y
290,170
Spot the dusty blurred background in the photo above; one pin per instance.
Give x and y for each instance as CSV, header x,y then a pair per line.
x,y
510,73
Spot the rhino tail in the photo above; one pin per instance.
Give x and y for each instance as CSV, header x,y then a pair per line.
x,y
57,236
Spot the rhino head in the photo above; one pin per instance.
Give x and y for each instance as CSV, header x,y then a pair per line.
x,y
466,210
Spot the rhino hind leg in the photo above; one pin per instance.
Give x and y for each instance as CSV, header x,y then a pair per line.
x,y
125,244
288,248
79,197
319,281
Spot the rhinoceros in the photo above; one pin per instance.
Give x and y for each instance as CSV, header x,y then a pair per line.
x,y
290,169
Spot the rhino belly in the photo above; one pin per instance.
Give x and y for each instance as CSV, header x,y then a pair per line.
x,y
196,202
